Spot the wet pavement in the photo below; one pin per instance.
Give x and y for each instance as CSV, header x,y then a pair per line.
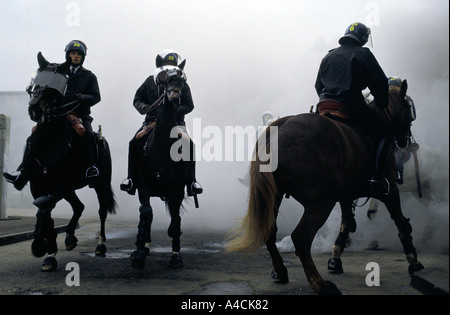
x,y
208,268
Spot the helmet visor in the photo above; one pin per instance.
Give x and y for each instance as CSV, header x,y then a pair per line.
x,y
47,80
166,73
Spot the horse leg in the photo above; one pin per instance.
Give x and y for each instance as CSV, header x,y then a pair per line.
x,y
174,230
348,225
373,208
279,271
393,205
303,236
100,250
144,230
77,207
45,239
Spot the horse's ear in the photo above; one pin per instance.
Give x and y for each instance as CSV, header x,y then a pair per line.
x,y
182,64
42,61
403,88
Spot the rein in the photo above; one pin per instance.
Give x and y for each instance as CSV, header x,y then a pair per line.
x,y
364,203
155,105
50,112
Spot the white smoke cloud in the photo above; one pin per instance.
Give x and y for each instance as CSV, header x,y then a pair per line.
x,y
243,58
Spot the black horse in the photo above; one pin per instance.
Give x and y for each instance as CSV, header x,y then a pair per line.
x,y
60,162
164,169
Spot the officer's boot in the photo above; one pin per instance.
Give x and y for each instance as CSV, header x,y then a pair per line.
x,y
378,184
20,179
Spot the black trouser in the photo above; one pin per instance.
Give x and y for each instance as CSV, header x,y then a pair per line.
x,y
135,147
27,158
90,142
365,118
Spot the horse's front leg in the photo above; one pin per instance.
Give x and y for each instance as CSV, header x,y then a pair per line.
x,y
373,209
100,250
392,202
45,233
174,230
144,230
348,225
77,206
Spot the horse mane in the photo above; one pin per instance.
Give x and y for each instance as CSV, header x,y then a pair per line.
x,y
395,107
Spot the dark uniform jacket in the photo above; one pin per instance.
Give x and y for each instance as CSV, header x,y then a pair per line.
x,y
346,71
343,74
83,82
149,92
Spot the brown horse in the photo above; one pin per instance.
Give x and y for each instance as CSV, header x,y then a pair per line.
x,y
321,161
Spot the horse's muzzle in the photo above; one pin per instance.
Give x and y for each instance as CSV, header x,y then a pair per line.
x,y
173,94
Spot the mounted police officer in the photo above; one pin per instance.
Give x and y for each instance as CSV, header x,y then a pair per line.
x,y
343,74
82,85
145,98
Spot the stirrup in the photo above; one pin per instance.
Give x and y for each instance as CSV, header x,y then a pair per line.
x,y
379,187
127,184
92,172
195,189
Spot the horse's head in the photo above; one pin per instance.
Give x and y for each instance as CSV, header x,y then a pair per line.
x,y
46,89
172,79
400,111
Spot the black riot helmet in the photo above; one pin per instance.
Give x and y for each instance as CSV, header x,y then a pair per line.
x,y
357,32
396,81
76,45
167,58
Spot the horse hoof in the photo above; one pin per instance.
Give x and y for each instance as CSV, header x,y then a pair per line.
x,y
281,276
413,267
138,259
100,250
330,289
49,264
71,242
39,247
335,265
176,261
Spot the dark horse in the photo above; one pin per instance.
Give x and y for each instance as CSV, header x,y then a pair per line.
x,y
321,161
163,168
60,163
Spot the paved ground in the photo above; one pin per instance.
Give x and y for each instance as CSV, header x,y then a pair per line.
x,y
208,269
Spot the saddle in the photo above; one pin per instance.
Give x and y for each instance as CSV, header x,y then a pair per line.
x,y
332,109
76,123
146,130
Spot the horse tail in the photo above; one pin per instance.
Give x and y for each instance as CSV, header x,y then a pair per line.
x,y
256,226
108,198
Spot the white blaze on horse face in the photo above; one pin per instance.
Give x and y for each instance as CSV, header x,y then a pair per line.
x,y
173,95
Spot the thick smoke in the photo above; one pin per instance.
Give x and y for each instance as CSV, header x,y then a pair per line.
x,y
243,58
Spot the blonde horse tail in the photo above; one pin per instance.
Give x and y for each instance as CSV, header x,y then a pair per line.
x,y
256,226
